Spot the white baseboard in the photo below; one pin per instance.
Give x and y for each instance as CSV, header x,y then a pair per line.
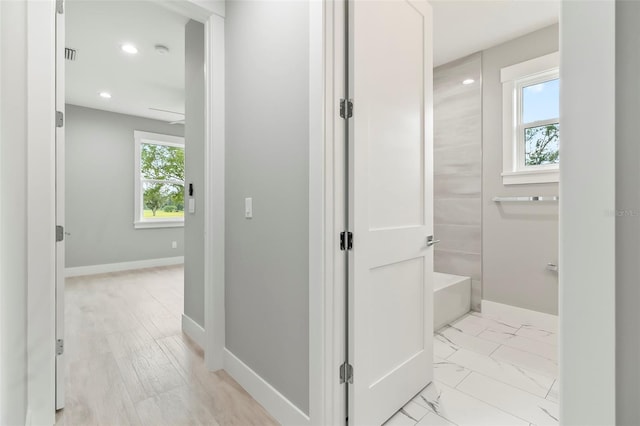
x,y
540,319
283,410
124,266
193,330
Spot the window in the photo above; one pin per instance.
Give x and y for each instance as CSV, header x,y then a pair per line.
x,y
531,124
159,186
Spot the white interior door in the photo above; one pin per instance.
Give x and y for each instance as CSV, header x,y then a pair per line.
x,y
60,217
391,212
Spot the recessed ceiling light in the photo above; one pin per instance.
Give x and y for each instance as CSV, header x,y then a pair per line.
x,y
468,81
105,95
129,48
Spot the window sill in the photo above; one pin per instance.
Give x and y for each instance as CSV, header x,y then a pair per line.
x,y
159,224
531,176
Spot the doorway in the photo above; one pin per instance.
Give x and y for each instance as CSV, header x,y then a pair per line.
x,y
122,154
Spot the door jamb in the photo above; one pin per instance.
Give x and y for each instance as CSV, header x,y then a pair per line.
x,y
213,18
41,72
334,264
326,329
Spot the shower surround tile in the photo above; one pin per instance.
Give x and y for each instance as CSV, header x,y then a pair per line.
x,y
463,238
457,211
457,158
457,186
453,158
476,295
458,263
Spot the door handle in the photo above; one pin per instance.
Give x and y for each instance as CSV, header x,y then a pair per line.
x,y
431,242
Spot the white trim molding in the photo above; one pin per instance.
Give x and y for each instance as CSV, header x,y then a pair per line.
x,y
41,73
214,186
587,227
41,210
193,330
513,78
530,176
122,266
283,410
530,67
140,137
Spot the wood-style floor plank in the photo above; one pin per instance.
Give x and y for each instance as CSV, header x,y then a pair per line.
x,y
130,363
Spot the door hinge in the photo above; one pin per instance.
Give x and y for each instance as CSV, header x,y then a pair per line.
x,y
346,373
346,108
59,119
346,241
60,6
59,233
59,346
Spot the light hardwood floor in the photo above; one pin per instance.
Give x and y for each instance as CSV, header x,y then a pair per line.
x,y
128,362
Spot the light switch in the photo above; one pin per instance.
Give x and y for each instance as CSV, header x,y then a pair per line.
x,y
192,205
248,208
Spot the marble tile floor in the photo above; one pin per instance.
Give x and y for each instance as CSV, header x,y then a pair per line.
x,y
128,362
489,371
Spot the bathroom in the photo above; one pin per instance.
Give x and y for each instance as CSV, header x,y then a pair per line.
x,y
496,263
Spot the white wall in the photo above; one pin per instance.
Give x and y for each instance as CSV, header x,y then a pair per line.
x,y
100,190
13,226
587,219
517,240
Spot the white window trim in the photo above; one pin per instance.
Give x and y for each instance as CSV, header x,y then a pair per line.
x,y
155,138
514,172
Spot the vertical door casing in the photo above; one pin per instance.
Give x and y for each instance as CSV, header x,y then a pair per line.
x,y
391,206
60,213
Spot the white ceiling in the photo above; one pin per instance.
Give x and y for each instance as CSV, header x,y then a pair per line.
x,y
463,27
97,29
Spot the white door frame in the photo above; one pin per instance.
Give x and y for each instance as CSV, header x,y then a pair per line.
x,y
214,172
327,319
41,194
41,213
41,199
587,216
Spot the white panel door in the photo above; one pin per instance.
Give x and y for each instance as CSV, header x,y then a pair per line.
x,y
60,217
391,265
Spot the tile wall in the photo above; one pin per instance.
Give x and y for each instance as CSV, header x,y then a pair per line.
x,y
458,170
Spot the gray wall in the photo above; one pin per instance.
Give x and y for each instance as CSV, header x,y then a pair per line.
x,y
13,212
628,219
267,267
458,170
518,240
194,172
100,190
